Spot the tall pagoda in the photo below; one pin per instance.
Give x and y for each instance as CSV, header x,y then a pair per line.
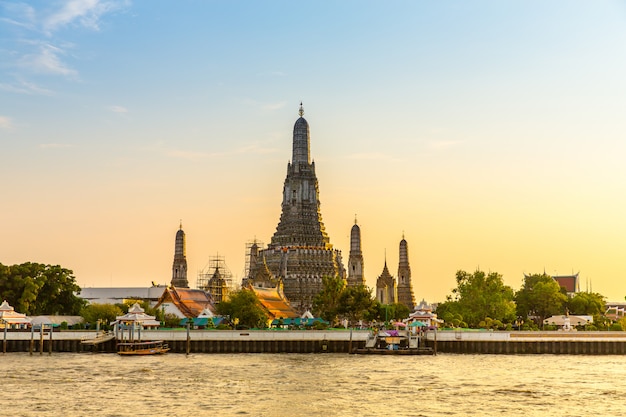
x,y
299,253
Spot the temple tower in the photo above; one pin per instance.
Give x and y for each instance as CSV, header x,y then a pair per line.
x,y
386,287
179,268
300,253
355,261
405,289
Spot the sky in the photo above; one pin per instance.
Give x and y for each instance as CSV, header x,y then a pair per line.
x,y
490,134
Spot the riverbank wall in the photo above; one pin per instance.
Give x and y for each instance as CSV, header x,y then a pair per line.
x,y
333,341
198,341
553,342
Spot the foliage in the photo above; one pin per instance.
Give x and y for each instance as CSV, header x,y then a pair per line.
x,y
479,296
243,307
356,303
105,312
622,323
37,289
587,304
172,320
539,298
392,312
326,303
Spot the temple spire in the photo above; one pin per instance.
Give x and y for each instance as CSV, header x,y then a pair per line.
x,y
179,266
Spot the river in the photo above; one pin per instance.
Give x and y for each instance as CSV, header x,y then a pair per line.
x,y
312,385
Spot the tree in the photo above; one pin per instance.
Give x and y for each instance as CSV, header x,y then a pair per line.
x,y
539,298
479,296
587,304
393,311
105,312
37,289
243,307
326,302
356,303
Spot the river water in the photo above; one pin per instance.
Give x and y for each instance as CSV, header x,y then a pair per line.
x,y
89,384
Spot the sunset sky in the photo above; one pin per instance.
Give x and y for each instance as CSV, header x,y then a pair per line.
x,y
491,134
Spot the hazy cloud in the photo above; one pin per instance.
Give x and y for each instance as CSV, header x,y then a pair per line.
x,y
195,155
118,109
86,13
24,87
370,156
5,122
444,144
46,60
35,46
54,145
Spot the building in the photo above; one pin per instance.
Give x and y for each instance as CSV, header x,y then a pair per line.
x,y
405,288
216,279
120,295
274,303
11,319
569,282
386,287
355,260
185,302
300,253
179,266
423,316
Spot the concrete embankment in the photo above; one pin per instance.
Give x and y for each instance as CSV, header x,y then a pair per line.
x,y
337,341
556,342
200,341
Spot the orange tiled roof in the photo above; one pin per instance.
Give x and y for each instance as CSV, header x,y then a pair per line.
x,y
189,301
274,303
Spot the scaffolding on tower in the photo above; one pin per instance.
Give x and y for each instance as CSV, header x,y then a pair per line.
x,y
252,248
216,279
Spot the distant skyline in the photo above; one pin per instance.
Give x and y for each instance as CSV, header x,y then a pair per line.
x,y
490,134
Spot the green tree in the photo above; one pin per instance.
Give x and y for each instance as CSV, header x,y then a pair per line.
x,y
539,298
243,307
479,296
356,303
105,312
326,303
587,303
37,289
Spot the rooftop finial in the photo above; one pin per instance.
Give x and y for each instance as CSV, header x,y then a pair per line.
x,y
301,111
181,224
355,219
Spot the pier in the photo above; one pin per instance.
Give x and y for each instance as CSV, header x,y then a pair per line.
x,y
331,341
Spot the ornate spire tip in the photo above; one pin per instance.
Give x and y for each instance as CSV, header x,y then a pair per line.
x,y
301,111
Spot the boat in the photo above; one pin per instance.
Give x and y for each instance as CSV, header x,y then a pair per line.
x,y
155,347
395,342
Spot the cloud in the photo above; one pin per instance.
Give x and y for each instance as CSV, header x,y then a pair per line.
x,y
36,47
87,13
370,156
25,87
118,109
54,145
444,144
5,123
47,60
195,155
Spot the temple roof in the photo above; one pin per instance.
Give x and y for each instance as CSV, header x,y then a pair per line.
x,y
189,301
136,314
10,316
274,302
569,282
